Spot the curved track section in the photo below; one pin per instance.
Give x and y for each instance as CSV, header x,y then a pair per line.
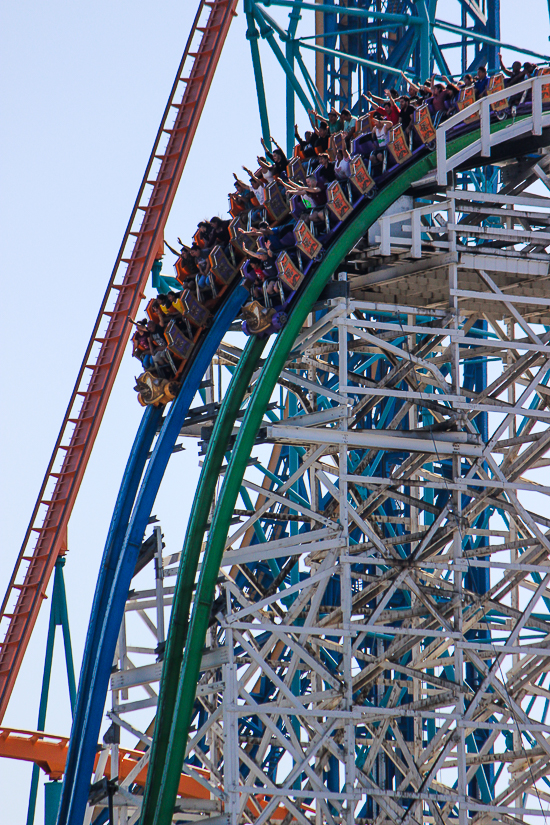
x,y
119,559
168,755
179,619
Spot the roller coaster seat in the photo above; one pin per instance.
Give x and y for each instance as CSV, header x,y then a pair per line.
x,y
152,311
235,208
363,125
305,241
178,343
398,146
296,171
199,240
337,141
297,207
288,273
496,84
275,204
196,313
423,125
544,70
220,267
235,236
182,272
337,201
466,97
359,176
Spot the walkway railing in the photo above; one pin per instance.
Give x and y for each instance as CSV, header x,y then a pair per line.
x,y
534,122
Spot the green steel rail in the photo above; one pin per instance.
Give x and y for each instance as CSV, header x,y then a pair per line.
x,y
167,756
204,494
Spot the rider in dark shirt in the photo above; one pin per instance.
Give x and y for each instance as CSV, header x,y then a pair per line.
x,y
325,170
481,82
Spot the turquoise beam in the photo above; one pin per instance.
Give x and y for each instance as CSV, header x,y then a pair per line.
x,y
362,61
402,19
362,30
314,92
290,101
252,36
425,40
484,38
58,617
267,33
290,49
439,58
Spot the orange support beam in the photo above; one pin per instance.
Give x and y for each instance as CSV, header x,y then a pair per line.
x,y
50,753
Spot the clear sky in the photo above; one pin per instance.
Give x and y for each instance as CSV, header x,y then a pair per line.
x,y
83,90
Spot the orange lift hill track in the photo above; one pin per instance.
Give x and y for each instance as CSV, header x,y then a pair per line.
x,y
46,534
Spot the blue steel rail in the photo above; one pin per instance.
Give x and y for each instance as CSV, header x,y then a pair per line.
x,y
119,560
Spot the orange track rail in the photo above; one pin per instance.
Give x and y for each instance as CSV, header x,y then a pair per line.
x,y
45,538
50,754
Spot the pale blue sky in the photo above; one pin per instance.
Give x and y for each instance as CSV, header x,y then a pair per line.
x,y
83,89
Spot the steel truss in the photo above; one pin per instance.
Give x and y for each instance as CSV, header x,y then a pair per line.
x,y
365,45
403,669
378,649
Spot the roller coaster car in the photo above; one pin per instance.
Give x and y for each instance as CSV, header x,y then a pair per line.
x,y
359,176
264,320
154,391
295,170
337,201
275,204
256,318
398,146
546,88
423,126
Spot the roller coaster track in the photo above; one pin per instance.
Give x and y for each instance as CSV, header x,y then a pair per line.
x,y
187,635
119,560
45,538
190,614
